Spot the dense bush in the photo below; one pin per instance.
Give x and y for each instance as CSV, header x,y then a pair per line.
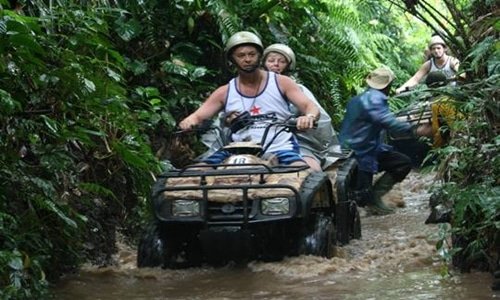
x,y
70,147
90,92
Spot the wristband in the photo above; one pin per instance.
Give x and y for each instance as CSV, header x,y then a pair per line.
x,y
313,116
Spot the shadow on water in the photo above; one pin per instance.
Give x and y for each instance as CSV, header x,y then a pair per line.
x,y
395,259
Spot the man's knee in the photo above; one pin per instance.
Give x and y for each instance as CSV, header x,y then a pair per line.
x,y
216,158
395,163
313,163
402,169
287,157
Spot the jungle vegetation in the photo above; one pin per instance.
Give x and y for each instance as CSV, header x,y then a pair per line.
x,y
90,93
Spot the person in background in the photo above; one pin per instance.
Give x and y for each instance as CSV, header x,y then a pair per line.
x,y
440,61
257,93
444,113
320,146
366,118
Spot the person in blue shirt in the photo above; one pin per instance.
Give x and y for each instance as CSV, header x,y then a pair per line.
x,y
366,119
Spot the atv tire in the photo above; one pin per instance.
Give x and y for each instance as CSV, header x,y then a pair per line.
x,y
318,233
355,230
151,252
162,247
319,237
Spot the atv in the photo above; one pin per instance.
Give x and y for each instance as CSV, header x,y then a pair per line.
x,y
417,114
249,208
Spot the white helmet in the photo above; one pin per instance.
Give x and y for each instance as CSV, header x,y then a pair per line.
x,y
240,38
284,50
436,39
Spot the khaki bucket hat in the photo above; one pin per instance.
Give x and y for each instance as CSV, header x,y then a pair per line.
x,y
436,39
380,78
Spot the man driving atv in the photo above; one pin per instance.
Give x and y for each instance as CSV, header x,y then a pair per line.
x,y
257,93
439,61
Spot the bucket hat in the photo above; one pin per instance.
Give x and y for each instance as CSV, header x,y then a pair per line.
x,y
436,39
380,78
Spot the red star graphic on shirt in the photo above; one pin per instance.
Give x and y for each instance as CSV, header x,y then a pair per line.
x,y
255,110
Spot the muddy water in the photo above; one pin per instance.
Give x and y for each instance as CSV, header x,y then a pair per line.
x,y
395,259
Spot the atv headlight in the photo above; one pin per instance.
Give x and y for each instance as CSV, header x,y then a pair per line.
x,y
185,208
275,206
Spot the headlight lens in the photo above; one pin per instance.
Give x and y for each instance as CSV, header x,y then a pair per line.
x,y
185,208
275,206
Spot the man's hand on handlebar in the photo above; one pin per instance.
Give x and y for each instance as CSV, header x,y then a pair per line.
x,y
186,126
402,90
306,122
189,123
230,117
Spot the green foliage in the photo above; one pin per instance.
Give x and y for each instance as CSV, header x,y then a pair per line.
x,y
26,277
469,164
471,157
91,91
331,43
471,167
69,136
169,48
484,57
476,224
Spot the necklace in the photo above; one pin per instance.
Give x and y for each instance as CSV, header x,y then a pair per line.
x,y
442,64
251,109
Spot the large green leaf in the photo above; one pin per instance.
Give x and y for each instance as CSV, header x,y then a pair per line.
x,y
128,29
53,207
130,156
7,104
97,189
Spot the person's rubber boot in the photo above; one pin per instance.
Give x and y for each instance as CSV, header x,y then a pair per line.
x,y
362,197
381,187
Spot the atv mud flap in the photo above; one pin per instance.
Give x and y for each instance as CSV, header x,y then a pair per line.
x,y
227,243
347,222
346,211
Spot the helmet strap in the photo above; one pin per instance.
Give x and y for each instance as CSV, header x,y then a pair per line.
x,y
255,67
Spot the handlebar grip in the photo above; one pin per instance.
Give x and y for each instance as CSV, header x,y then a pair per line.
x,y
292,123
203,127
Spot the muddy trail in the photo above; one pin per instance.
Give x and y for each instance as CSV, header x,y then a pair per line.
x,y
396,258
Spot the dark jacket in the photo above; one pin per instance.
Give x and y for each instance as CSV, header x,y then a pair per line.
x,y
366,118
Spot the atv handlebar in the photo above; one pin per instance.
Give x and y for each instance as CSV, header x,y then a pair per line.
x,y
240,122
201,128
292,124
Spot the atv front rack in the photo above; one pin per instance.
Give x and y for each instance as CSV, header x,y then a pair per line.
x,y
203,171
227,195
